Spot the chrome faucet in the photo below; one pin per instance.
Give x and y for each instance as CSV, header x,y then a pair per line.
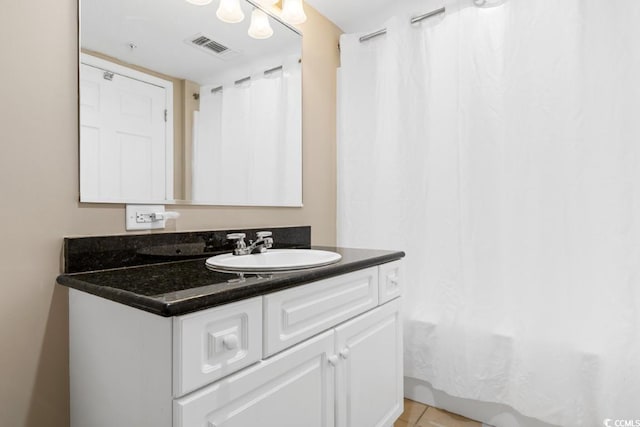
x,y
263,242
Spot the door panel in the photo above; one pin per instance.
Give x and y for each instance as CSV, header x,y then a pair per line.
x,y
369,375
292,389
123,138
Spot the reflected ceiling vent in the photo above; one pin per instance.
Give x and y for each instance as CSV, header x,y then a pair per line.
x,y
207,44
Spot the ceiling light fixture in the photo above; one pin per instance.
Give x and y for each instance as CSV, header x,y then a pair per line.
x,y
293,12
260,27
230,11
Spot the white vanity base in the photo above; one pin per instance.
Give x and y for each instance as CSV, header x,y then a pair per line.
x,y
323,354
111,364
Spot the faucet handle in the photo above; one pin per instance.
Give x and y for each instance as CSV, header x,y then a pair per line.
x,y
241,246
236,236
267,240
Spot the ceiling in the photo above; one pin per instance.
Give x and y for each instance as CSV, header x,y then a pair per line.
x,y
348,14
160,32
354,16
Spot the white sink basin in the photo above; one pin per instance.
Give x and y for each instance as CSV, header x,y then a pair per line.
x,y
274,260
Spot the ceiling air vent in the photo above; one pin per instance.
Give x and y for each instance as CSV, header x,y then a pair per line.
x,y
207,44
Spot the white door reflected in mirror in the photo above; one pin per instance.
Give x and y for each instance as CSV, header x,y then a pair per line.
x,y
125,151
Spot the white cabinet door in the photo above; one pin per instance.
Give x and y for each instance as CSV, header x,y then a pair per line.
x,y
293,389
369,374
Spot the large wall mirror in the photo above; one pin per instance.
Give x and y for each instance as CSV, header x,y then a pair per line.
x,y
177,106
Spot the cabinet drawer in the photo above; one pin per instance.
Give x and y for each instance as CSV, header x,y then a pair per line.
x,y
213,343
390,281
293,315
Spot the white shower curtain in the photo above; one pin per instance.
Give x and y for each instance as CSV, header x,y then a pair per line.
x,y
500,148
247,147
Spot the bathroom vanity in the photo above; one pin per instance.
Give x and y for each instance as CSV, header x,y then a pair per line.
x,y
175,344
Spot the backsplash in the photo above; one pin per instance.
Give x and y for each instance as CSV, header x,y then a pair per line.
x,y
105,252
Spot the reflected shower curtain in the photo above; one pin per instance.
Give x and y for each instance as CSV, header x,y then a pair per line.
x,y
500,148
247,141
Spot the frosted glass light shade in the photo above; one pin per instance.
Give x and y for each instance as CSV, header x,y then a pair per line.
x,y
199,2
293,12
260,27
230,11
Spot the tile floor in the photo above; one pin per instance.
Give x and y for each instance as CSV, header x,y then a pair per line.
x,y
419,415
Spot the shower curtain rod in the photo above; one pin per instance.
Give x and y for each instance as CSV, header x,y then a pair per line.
x,y
413,20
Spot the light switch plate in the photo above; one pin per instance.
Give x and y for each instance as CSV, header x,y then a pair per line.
x,y
134,222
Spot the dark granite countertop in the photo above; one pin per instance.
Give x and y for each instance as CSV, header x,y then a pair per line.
x,y
184,286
